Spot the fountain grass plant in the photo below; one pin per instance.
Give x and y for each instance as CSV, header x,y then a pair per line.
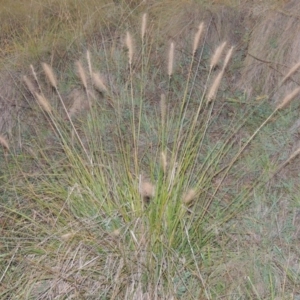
x,y
118,197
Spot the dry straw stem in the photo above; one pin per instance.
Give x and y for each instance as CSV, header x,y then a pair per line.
x,y
29,85
189,196
98,83
35,76
129,45
4,142
88,58
144,23
50,75
288,98
216,57
292,156
43,102
171,59
197,37
81,74
291,72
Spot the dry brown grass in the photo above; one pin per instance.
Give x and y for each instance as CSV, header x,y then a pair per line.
x,y
79,102
4,142
273,50
288,98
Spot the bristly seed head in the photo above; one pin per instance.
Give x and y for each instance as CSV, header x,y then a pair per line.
x,y
98,83
146,190
211,95
189,196
227,58
43,102
163,158
81,74
216,57
144,22
163,108
171,59
197,37
129,45
50,75
29,85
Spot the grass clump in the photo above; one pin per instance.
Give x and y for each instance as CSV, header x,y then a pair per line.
x,y
119,198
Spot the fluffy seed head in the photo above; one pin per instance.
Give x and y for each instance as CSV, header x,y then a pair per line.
x,y
171,59
129,45
214,87
4,142
227,58
43,102
50,75
116,233
81,74
163,108
68,236
163,158
29,85
144,22
216,57
197,37
288,98
98,83
146,189
291,72
189,196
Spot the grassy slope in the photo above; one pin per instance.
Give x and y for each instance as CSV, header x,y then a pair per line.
x,y
73,221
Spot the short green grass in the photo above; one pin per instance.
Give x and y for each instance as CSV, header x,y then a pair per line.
x,y
150,190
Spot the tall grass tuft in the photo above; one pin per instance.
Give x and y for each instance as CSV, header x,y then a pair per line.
x,y
134,200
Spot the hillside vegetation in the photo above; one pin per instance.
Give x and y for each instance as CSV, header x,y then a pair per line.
x,y
148,150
